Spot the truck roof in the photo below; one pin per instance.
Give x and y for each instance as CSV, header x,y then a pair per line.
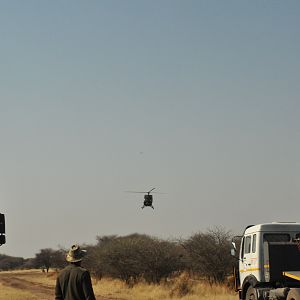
x,y
274,227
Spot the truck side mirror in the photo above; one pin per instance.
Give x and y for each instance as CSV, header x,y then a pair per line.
x,y
233,250
233,245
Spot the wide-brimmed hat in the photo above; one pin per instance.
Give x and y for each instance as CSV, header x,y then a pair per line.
x,y
75,254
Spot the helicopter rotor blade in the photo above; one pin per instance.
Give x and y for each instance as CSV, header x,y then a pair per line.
x,y
158,193
150,191
136,192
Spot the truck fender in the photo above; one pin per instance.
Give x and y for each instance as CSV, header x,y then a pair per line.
x,y
248,281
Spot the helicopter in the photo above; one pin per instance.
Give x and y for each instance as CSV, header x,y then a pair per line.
x,y
148,199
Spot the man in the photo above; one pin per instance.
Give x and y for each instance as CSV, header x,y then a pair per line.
x,y
74,282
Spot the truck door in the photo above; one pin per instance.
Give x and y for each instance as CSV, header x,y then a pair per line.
x,y
245,258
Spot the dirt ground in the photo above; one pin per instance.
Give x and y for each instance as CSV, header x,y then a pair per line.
x,y
23,282
18,282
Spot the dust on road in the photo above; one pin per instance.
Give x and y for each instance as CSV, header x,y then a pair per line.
x,y
42,291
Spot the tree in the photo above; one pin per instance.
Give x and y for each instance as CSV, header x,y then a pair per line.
x,y
58,259
44,259
210,253
29,263
10,262
134,256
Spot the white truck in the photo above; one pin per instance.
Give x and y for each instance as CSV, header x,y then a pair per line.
x,y
268,262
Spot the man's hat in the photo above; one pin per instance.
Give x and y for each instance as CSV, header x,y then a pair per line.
x,y
75,254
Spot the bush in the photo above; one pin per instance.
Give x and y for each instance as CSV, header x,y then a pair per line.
x,y
134,257
10,262
210,254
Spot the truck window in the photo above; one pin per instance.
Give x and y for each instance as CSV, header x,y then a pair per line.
x,y
277,237
254,243
247,244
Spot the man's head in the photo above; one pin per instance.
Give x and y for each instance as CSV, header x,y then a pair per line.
x,y
75,254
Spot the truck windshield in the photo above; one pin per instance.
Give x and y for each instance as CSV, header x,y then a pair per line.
x,y
277,237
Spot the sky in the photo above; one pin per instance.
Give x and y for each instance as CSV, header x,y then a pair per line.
x,y
198,99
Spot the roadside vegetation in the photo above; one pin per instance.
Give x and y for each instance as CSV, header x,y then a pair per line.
x,y
35,284
144,267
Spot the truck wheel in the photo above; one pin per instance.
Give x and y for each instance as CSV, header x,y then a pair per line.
x,y
251,294
294,294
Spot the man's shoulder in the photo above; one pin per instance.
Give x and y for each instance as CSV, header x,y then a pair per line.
x,y
74,268
64,270
81,269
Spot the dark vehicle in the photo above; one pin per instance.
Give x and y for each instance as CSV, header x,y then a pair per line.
x,y
2,229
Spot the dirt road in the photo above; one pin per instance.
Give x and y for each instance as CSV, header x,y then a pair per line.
x,y
42,291
25,282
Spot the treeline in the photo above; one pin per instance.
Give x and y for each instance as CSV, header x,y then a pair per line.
x,y
141,257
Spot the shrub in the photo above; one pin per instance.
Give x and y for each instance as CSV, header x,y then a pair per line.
x,y
210,254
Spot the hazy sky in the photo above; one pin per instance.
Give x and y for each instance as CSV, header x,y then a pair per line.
x,y
199,99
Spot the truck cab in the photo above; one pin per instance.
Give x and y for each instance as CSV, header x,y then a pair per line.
x,y
266,252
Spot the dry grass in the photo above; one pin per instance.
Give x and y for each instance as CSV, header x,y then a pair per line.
x,y
9,293
180,288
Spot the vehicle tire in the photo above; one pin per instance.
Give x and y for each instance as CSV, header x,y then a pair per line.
x,y
252,294
294,294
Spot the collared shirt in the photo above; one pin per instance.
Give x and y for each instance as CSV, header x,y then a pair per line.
x,y
74,283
